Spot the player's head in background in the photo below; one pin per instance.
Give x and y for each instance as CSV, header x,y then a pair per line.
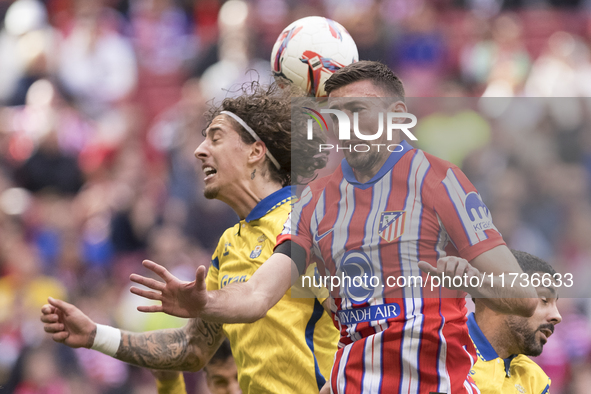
x,y
221,372
367,88
380,76
524,335
248,145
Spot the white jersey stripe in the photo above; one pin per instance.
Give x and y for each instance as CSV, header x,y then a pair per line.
x,y
442,372
299,206
409,258
341,378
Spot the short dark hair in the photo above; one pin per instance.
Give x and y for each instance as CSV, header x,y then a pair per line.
x,y
377,72
267,110
223,353
531,264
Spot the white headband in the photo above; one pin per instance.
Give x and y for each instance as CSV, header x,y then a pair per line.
x,y
253,134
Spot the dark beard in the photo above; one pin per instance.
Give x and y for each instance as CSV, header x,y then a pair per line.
x,y
362,161
526,338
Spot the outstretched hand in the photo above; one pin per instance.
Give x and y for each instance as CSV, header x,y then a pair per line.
x,y
67,324
179,298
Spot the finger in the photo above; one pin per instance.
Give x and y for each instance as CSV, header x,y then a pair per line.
x,y
149,294
53,318
47,309
60,336
53,328
158,270
61,305
461,267
151,283
200,278
450,267
150,308
427,268
472,271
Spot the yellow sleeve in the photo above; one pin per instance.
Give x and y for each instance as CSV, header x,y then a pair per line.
x,y
174,386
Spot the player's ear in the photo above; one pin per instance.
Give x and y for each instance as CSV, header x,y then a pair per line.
x,y
398,106
257,152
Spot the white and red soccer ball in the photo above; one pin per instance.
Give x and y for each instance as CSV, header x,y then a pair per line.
x,y
310,50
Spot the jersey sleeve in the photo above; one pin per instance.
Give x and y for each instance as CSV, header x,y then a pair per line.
x,y
174,386
464,215
297,226
211,281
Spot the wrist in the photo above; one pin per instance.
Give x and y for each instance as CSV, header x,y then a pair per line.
x,y
106,339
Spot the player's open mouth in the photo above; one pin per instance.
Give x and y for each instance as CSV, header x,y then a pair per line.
x,y
209,172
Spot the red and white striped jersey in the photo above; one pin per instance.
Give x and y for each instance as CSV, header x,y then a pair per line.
x,y
416,208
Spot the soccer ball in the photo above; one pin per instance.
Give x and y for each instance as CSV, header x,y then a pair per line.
x,y
310,50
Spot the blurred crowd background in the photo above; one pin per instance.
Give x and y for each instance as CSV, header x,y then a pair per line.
x,y
101,105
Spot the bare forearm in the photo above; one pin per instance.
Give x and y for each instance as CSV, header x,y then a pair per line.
x,y
183,349
236,303
249,301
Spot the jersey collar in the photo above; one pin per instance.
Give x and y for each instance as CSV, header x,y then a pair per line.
x,y
483,346
388,165
270,202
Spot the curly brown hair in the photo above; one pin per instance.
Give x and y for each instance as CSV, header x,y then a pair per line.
x,y
267,110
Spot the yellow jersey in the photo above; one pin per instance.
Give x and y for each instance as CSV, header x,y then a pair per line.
x,y
517,374
291,349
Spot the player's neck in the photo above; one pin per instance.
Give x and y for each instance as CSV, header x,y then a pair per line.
x,y
498,334
245,195
364,176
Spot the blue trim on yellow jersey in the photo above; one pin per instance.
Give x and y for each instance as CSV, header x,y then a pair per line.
x,y
507,362
270,202
391,162
483,346
316,315
216,263
546,390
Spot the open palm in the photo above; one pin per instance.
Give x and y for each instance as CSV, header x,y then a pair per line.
x,y
179,298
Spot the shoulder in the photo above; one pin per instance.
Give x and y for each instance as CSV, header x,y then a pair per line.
x,y
439,167
524,362
530,373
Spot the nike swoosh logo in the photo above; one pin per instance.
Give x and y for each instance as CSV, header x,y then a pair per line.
x,y
317,238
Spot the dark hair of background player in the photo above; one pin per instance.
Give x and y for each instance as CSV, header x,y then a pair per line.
x,y
363,70
223,353
531,264
268,111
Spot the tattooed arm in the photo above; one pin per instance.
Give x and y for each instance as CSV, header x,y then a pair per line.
x,y
188,348
185,349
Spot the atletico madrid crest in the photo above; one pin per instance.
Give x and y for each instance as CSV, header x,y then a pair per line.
x,y
391,225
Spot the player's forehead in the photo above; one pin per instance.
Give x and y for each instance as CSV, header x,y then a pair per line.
x,y
363,88
220,124
548,287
